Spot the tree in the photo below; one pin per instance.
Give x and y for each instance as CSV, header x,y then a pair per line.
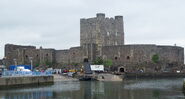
x,y
107,62
37,65
98,61
155,58
75,64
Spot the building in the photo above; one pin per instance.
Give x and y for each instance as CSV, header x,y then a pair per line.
x,y
102,30
17,55
102,37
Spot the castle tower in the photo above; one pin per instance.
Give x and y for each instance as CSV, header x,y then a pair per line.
x,y
100,31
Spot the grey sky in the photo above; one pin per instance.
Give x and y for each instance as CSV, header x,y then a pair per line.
x,y
55,23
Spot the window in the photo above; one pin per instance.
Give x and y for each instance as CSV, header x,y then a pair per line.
x,y
121,70
116,34
85,59
128,57
116,58
116,43
108,33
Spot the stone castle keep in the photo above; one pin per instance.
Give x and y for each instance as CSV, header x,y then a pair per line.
x,y
101,37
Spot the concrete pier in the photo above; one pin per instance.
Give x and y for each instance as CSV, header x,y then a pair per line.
x,y
110,77
25,80
153,75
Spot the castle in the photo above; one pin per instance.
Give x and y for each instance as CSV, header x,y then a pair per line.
x,y
103,37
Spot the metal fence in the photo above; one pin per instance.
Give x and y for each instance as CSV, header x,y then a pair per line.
x,y
26,73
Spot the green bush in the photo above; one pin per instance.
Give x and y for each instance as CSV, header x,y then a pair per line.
x,y
155,58
107,62
37,64
100,61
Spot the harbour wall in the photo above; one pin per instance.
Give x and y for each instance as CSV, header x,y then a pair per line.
x,y
25,80
153,75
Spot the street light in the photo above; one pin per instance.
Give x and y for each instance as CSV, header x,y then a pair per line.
x,y
15,61
31,60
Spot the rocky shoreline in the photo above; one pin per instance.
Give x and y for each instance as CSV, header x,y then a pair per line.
x,y
58,77
100,77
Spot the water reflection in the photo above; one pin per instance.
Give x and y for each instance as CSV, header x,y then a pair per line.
x,y
130,89
93,90
28,95
156,94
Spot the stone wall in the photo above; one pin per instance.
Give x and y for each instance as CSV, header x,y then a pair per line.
x,y
90,51
76,55
14,54
47,56
153,75
10,81
73,55
135,57
62,56
102,31
17,54
132,57
171,54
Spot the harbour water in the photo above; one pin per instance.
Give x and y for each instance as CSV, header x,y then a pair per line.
x,y
128,89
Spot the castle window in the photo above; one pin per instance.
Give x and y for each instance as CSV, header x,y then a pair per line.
x,y
46,54
116,33
37,55
108,33
74,53
26,56
116,58
116,43
128,57
85,59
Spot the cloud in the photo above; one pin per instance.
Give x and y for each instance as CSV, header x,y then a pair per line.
x,y
55,23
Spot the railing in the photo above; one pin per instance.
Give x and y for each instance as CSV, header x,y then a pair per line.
x,y
26,73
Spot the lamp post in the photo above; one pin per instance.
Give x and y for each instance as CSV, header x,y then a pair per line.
x,y
4,59
15,61
31,61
